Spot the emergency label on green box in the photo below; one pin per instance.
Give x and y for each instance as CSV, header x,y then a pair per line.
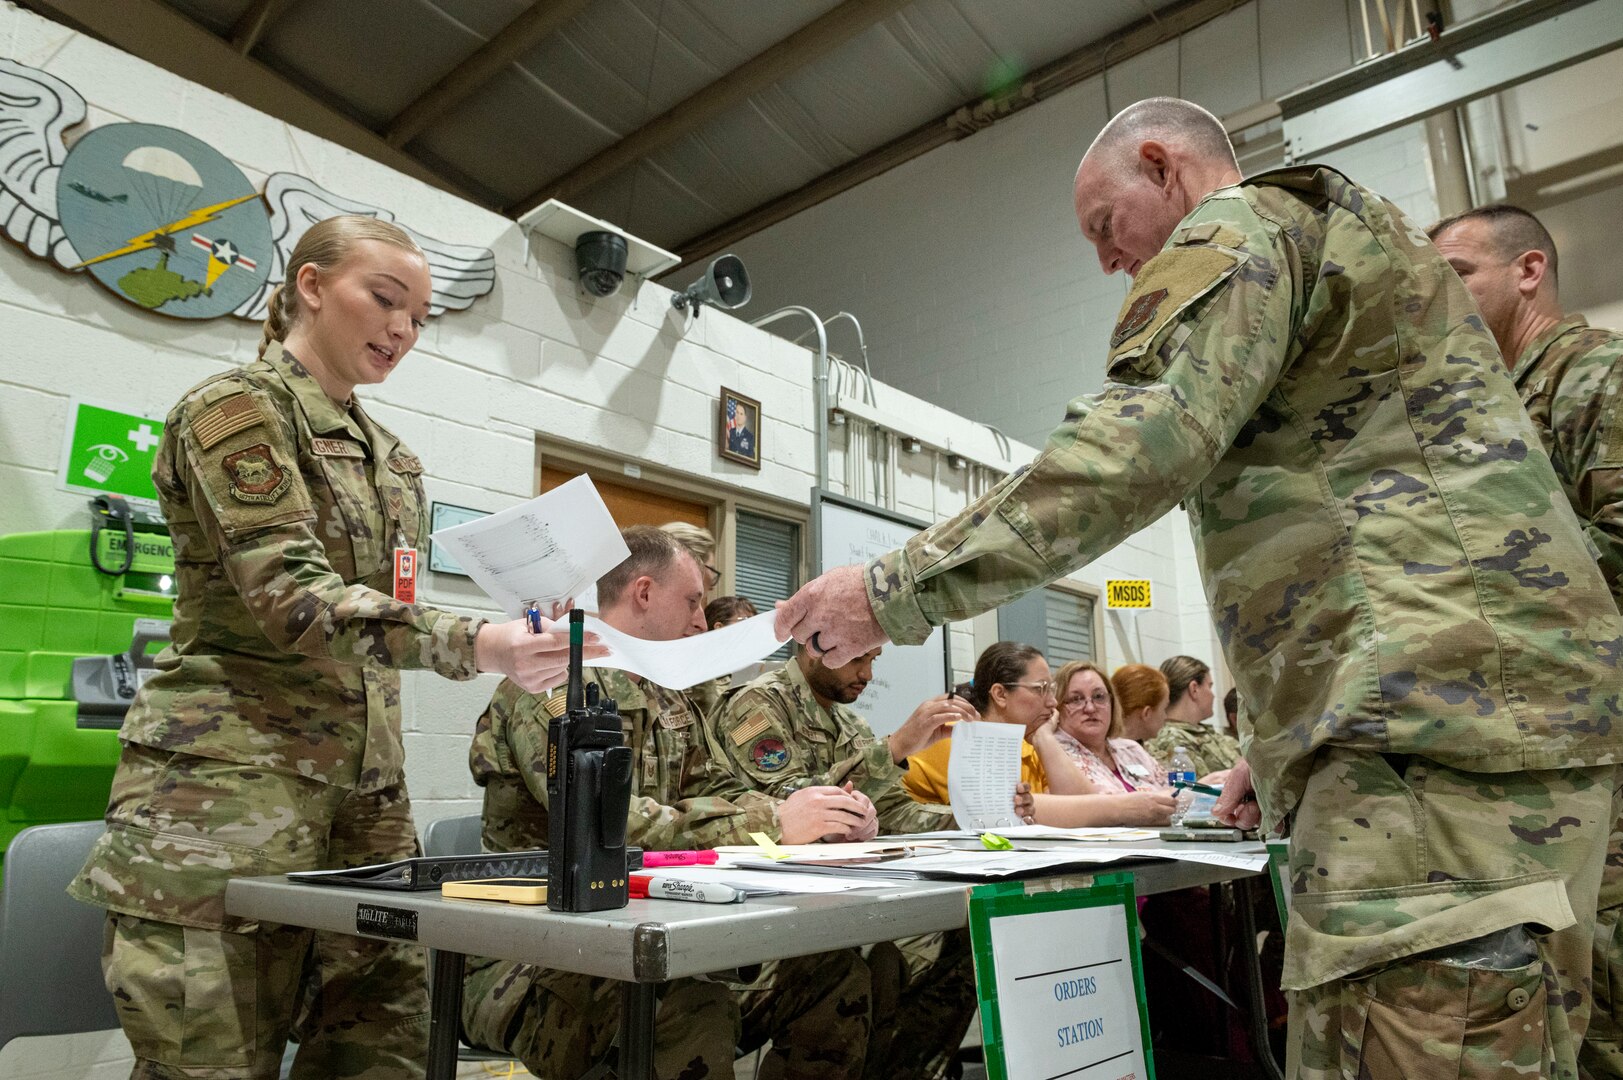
x,y
108,450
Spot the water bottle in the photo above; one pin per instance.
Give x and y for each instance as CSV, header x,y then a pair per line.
x,y
1180,769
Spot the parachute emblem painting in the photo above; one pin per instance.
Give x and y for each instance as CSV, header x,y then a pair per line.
x,y
164,220
144,247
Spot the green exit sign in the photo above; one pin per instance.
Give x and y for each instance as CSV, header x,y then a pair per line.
x,y
107,450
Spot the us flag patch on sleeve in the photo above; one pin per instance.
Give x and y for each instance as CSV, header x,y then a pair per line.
x,y
750,728
217,422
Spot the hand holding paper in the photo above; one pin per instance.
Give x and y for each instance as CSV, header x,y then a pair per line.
x,y
536,662
685,662
543,551
982,773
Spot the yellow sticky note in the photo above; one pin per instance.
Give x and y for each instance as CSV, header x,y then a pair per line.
x,y
994,842
769,846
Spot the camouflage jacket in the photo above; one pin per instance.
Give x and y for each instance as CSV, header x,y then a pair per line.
x,y
286,509
1569,379
775,735
509,760
1386,550
1211,750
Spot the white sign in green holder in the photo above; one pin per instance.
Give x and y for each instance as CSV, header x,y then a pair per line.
x,y
1060,982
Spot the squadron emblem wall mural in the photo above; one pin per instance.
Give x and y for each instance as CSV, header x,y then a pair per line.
x,y
164,220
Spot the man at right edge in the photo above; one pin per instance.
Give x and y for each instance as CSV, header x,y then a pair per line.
x,y
1427,650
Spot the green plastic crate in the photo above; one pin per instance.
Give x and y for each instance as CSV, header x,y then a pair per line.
x,y
54,607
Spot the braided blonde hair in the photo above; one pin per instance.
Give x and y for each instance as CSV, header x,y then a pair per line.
x,y
324,245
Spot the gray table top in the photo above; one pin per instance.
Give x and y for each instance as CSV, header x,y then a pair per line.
x,y
658,940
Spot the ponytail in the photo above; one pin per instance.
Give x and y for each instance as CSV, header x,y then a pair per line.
x,y
277,321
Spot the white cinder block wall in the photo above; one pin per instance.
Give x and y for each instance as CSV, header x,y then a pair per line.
x,y
966,267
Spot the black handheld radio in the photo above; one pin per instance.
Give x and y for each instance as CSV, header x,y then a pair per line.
x,y
589,796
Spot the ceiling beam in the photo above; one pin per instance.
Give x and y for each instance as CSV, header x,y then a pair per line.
x,y
1048,80
536,22
252,24
159,35
800,48
1507,46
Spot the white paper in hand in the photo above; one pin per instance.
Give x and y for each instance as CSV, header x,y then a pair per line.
x,y
551,548
685,662
981,773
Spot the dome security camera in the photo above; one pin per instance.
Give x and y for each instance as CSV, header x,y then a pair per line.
x,y
600,261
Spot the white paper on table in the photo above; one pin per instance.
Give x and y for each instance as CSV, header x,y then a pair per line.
x,y
549,549
762,883
685,662
992,865
982,771
1120,834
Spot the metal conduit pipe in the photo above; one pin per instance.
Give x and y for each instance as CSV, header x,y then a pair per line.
x,y
819,383
862,344
866,370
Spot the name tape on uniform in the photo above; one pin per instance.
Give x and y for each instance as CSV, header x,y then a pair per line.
x,y
1127,593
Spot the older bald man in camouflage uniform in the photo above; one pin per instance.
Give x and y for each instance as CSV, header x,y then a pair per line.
x,y
1428,653
814,1009
1570,376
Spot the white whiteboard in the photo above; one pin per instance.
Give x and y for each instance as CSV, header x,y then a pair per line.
x,y
851,532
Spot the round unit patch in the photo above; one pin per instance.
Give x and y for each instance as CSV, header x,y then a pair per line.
x,y
769,755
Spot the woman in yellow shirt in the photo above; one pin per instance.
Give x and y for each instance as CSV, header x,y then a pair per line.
x,y
1013,685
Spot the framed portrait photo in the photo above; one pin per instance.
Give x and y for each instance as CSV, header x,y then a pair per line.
x,y
739,437
443,516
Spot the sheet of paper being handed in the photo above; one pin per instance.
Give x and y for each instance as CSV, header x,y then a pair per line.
x,y
685,662
543,551
981,773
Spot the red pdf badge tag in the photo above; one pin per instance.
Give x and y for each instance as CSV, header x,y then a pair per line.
x,y
405,575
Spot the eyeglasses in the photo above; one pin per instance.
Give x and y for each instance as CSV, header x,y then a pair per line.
x,y
1044,688
1100,701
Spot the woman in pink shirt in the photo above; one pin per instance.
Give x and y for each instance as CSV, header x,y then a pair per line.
x,y
1090,733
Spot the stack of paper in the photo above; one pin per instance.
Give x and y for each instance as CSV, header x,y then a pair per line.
x,y
1112,833
994,865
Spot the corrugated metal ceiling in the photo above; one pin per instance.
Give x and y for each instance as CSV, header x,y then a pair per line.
x,y
615,65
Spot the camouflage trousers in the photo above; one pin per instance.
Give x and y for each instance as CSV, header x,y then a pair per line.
x,y
1601,1056
1442,922
923,1001
204,996
813,1009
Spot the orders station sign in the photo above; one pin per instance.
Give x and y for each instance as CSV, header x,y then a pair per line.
x,y
1059,981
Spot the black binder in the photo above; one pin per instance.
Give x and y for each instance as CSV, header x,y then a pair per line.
x,y
430,872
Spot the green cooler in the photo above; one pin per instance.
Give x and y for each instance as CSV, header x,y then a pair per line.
x,y
55,608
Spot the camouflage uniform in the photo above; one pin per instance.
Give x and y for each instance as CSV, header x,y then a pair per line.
x,y
775,736
1394,574
815,1009
1569,380
709,694
1211,750
269,739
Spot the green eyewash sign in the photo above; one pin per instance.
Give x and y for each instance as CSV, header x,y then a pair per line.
x,y
106,450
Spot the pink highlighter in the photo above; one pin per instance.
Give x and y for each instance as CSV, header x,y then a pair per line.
x,y
677,858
